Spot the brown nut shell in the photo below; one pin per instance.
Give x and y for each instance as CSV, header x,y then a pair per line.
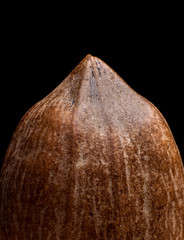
x,y
93,160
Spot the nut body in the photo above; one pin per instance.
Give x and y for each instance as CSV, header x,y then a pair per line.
x,y
92,160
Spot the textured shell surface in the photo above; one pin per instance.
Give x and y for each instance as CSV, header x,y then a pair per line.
x,y
93,160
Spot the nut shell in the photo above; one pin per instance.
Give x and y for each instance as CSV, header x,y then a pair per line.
x,y
92,160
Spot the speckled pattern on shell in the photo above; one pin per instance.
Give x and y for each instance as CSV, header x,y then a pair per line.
x,y
93,160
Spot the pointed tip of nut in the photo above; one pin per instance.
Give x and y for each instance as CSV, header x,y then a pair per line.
x,y
87,61
90,57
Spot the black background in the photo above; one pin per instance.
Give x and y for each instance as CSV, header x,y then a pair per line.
x,y
39,51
